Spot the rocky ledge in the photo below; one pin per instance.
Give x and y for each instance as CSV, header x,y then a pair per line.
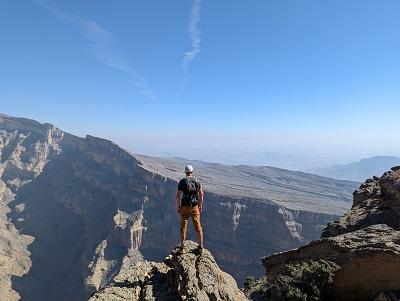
x,y
184,275
357,258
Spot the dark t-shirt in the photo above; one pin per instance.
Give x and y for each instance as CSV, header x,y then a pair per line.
x,y
183,187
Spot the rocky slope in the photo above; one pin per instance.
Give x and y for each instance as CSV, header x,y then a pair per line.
x,y
75,211
183,275
363,247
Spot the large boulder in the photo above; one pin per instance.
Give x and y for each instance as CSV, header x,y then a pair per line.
x,y
184,275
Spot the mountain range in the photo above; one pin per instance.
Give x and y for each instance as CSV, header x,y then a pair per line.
x,y
359,171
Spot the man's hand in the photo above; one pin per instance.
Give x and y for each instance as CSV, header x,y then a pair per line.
x,y
178,200
201,195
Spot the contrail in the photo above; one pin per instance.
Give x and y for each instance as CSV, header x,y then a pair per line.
x,y
194,36
102,47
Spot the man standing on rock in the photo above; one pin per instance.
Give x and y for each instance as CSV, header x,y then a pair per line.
x,y
190,205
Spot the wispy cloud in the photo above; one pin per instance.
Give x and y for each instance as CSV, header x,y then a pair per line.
x,y
194,36
102,46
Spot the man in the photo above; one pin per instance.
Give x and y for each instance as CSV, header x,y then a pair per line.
x,y
190,205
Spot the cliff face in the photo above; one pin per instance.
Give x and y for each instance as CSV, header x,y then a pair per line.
x,y
24,152
364,245
74,212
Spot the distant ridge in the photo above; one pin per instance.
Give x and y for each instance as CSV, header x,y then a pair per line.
x,y
292,189
358,171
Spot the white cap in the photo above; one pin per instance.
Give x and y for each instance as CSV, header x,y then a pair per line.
x,y
188,168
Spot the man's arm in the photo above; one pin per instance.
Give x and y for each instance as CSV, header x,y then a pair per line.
x,y
178,200
201,199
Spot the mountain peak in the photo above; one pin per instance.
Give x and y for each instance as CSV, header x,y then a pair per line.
x,y
16,123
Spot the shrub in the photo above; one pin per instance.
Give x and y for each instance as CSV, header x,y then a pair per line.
x,y
248,282
304,281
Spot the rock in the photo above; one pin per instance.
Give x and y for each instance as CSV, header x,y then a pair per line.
x,y
376,201
390,185
370,189
144,281
188,275
200,278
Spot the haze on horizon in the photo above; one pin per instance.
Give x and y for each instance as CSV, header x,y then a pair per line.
x,y
303,83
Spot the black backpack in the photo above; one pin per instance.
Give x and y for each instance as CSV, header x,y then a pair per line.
x,y
191,191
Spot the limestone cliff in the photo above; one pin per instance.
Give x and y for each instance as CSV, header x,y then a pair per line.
x,y
363,246
25,148
74,212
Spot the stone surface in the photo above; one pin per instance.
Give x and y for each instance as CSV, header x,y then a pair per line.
x,y
184,275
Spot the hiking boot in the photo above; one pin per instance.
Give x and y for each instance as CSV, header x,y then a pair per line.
x,y
182,248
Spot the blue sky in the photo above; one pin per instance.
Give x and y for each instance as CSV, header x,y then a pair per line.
x,y
169,76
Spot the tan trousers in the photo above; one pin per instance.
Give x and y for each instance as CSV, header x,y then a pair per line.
x,y
186,213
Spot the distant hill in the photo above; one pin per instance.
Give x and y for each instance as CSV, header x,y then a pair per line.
x,y
359,171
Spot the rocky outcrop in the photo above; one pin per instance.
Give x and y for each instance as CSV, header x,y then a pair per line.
x,y
186,274
376,201
364,244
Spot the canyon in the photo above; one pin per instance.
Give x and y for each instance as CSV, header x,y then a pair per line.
x,y
76,212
